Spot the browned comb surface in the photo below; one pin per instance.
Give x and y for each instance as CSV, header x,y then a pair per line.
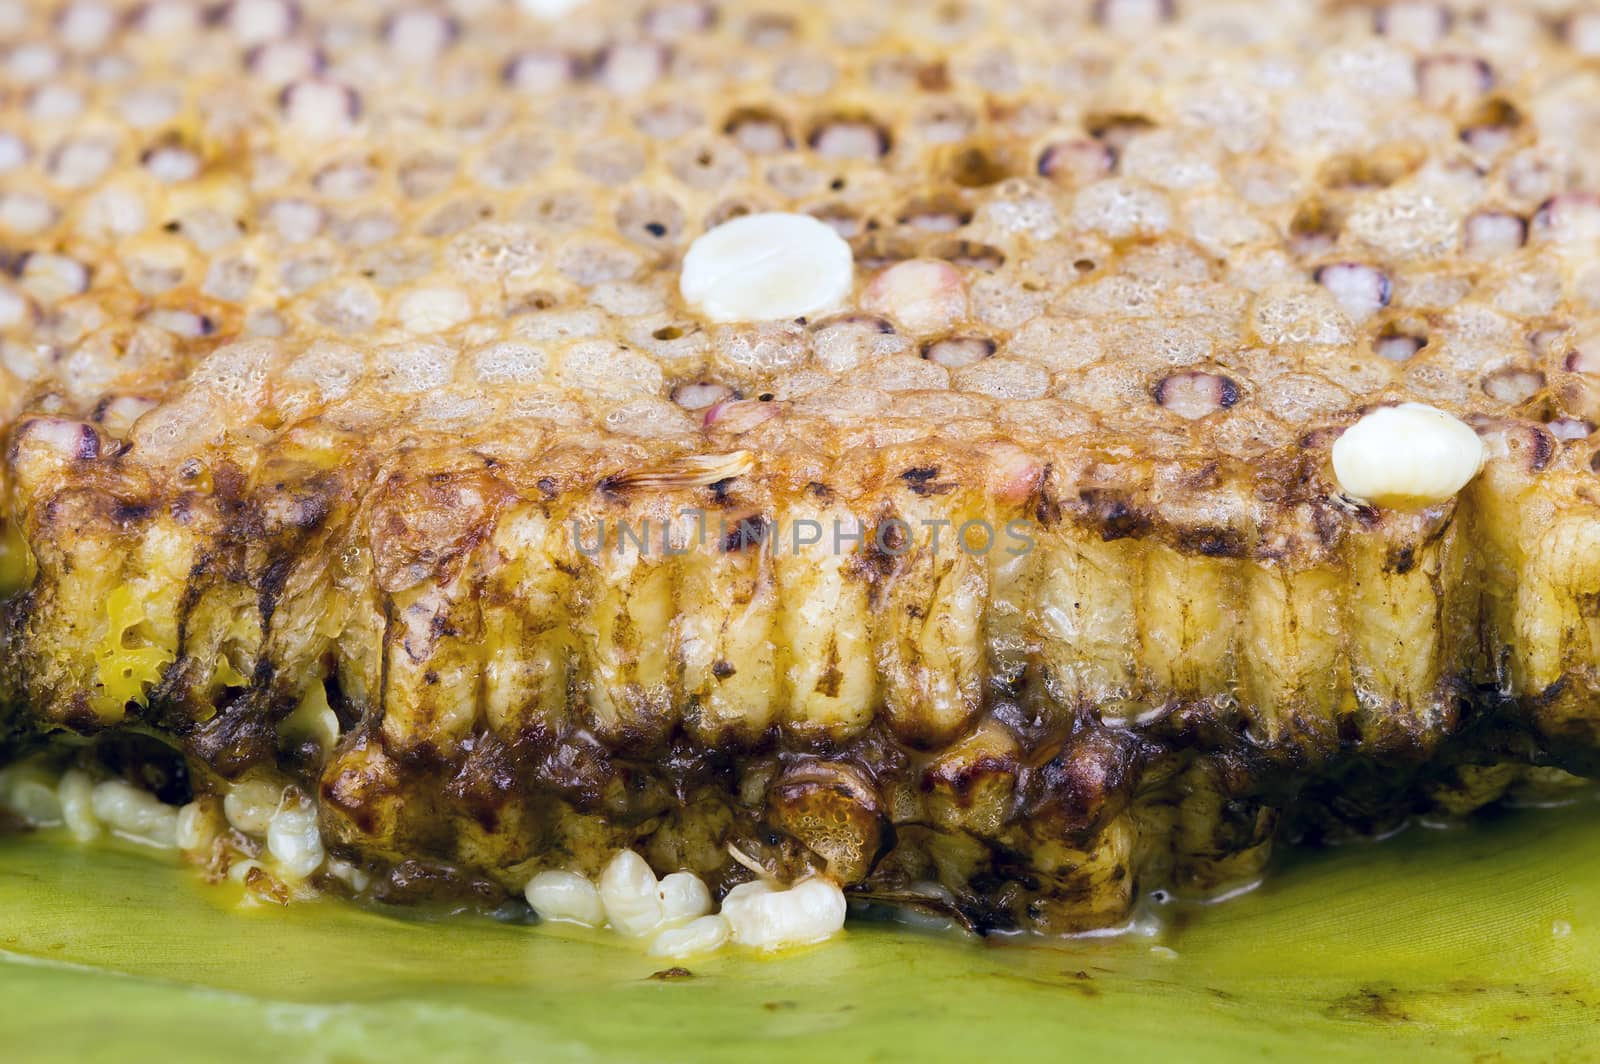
x,y
341,350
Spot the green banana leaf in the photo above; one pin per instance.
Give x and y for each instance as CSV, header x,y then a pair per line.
x,y
1480,943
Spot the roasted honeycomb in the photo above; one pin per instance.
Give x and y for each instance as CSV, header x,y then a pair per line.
x,y
343,365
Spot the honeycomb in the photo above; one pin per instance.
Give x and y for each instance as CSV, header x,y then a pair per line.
x,y
329,334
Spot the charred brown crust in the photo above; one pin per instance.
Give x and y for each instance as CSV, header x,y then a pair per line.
x,y
488,802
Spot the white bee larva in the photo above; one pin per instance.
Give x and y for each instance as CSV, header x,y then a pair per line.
x,y
702,935
763,267
565,897
135,814
32,794
631,895
1411,453
769,918
684,896
195,830
77,805
250,804
294,840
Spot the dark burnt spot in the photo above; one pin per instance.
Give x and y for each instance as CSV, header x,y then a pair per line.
x,y
1204,477
746,532
1553,691
361,814
415,882
271,582
723,669
88,444
1111,515
80,717
424,757
486,782
1372,1004
265,888
239,736
1211,542
229,485
1541,450
1046,506
1367,514
1326,523
890,539
1088,780
126,513
575,767
310,512
668,975
920,480
831,677
961,778
292,510
1320,439
547,487
1400,559
722,489
819,490
301,759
